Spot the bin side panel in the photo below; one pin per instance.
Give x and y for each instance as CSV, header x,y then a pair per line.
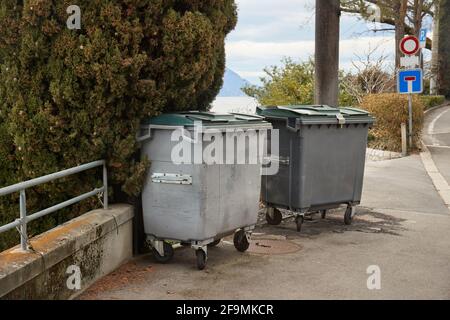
x,y
240,182
240,187
275,189
221,199
332,164
174,211
326,167
159,147
360,155
210,196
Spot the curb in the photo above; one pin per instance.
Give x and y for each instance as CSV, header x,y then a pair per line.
x,y
445,104
436,177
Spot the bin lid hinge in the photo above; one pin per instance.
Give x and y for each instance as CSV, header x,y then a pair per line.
x,y
341,119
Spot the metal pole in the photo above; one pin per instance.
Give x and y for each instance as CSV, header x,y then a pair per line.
x,y
23,221
404,140
410,107
105,185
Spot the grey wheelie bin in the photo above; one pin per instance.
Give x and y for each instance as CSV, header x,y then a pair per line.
x,y
321,160
203,183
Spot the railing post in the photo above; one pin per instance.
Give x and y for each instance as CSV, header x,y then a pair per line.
x,y
105,186
23,221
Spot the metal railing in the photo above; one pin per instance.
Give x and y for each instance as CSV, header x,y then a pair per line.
x,y
21,223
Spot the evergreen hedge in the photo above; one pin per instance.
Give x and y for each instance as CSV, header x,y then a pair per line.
x,y
68,97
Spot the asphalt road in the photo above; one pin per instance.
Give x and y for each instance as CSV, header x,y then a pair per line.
x,y
437,138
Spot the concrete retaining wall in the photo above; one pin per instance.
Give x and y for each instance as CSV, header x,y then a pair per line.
x,y
379,155
91,246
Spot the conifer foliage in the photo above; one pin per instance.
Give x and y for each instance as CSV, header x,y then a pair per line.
x,y
68,97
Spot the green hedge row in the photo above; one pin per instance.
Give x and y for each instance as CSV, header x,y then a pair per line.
x,y
432,101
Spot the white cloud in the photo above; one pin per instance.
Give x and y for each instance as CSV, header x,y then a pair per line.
x,y
251,50
269,30
361,46
257,50
268,19
250,57
250,74
271,7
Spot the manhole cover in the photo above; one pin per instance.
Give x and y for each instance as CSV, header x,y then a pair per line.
x,y
270,246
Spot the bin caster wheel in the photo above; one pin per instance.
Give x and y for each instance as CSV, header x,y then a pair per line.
x,y
240,241
273,216
348,217
214,243
323,214
299,221
201,259
168,253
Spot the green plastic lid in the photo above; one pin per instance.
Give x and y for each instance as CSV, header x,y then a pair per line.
x,y
188,119
316,114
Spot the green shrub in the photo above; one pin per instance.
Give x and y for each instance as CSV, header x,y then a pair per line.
x,y
68,97
292,83
432,101
390,111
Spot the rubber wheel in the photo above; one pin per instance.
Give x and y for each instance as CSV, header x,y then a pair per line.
x,y
299,221
348,219
168,253
214,243
323,214
276,219
240,241
201,259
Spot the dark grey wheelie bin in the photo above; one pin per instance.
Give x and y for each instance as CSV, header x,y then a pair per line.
x,y
198,201
321,159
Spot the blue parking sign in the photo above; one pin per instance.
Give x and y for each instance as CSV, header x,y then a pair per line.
x,y
423,38
410,81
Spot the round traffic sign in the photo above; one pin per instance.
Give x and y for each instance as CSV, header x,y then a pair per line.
x,y
409,45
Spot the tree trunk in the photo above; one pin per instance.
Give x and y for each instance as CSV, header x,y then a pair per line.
x,y
435,52
444,48
400,6
418,11
327,52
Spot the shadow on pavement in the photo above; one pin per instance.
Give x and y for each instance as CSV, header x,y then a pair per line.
x,y
366,220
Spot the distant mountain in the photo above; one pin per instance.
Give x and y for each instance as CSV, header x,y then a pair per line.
x,y
232,84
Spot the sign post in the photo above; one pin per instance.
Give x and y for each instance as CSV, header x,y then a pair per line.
x,y
410,81
410,108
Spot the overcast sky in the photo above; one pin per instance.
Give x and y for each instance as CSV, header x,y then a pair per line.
x,y
269,30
